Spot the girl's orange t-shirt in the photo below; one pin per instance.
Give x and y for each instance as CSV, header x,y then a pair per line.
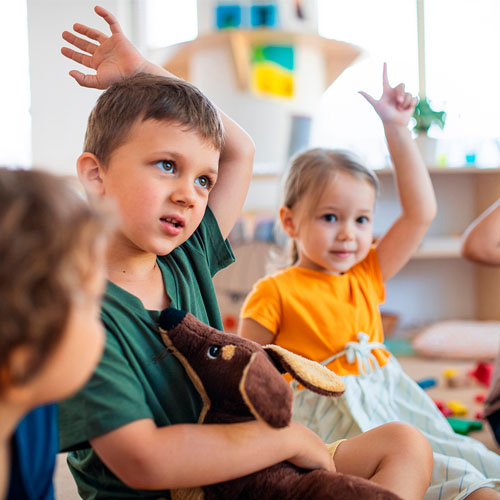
x,y
315,314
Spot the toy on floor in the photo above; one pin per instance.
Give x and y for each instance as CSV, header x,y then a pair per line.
x,y
482,373
457,407
453,378
443,408
427,383
238,380
479,398
463,426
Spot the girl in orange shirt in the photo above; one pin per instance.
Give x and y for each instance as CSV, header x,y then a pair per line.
x,y
325,306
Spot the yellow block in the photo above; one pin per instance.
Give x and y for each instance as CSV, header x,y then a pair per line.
x,y
269,79
457,407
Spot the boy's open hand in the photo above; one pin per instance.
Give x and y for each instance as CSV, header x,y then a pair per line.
x,y
113,57
396,106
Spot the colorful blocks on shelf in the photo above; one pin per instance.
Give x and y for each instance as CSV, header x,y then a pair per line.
x,y
263,16
228,16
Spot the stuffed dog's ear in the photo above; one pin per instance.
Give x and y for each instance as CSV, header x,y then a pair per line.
x,y
266,392
310,374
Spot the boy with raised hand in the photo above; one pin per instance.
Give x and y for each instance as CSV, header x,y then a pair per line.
x,y
156,146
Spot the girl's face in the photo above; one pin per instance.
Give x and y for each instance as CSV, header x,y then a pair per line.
x,y
338,232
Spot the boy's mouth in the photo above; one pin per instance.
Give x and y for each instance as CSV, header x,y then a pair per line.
x,y
172,220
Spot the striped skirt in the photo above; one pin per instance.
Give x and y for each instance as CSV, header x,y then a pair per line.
x,y
387,394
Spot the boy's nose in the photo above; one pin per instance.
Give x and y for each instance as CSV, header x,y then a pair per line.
x,y
184,194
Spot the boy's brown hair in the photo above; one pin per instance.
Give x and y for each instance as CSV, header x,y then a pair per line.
x,y
144,97
50,238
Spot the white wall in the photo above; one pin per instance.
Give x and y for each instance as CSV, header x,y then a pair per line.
x,y
59,106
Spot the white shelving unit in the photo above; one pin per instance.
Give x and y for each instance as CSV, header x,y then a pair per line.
x,y
437,284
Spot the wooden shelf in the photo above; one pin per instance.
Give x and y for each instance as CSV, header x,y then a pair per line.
x,y
338,55
447,170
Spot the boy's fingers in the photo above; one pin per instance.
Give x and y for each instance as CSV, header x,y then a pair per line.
x,y
113,24
91,33
84,80
77,57
80,43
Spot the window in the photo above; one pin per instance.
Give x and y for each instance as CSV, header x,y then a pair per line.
x,y
170,21
15,122
462,74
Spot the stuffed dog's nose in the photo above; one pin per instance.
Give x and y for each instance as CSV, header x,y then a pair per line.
x,y
170,318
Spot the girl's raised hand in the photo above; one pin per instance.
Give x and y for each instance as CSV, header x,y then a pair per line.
x,y
395,106
112,57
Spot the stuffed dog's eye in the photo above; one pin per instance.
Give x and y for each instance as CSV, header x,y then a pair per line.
x,y
213,351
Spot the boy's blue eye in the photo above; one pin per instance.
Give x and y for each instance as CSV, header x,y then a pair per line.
x,y
165,165
203,181
329,217
363,219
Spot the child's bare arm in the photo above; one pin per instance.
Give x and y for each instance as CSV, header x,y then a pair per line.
x,y
235,173
253,330
416,194
113,58
144,456
481,240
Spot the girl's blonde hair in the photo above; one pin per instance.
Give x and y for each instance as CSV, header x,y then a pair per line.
x,y
309,174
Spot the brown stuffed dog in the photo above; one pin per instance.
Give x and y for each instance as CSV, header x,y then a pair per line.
x,y
238,380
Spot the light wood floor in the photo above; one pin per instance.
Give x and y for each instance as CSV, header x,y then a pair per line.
x,y
420,368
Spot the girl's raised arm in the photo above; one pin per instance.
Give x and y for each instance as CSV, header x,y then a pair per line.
x,y
416,194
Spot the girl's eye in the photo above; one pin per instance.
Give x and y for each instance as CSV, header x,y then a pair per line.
x,y
165,165
204,182
213,351
363,219
330,217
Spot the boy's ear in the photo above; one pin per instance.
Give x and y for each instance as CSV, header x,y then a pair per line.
x,y
287,222
90,173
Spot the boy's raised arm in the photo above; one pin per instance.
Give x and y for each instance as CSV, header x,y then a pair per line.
x,y
113,58
144,456
416,193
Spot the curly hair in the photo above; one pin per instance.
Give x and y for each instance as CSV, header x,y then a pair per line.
x,y
50,238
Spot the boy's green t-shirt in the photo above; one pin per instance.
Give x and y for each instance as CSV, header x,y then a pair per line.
x,y
132,381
